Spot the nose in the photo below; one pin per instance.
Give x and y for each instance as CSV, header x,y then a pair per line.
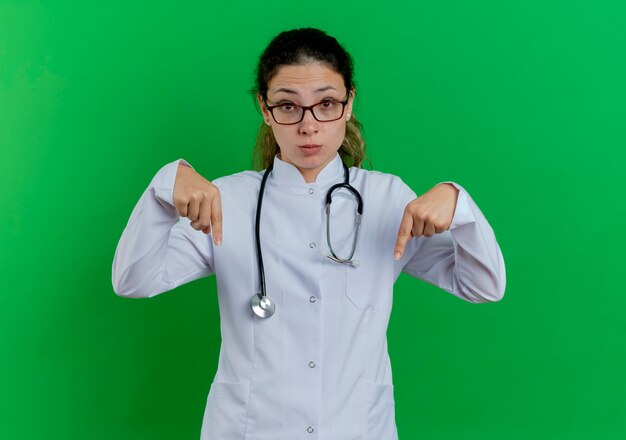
x,y
308,125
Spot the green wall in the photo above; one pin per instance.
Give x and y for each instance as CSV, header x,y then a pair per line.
x,y
523,103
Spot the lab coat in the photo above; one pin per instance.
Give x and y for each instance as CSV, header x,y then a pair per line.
x,y
319,367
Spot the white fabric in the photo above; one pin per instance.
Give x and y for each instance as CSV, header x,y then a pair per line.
x,y
319,368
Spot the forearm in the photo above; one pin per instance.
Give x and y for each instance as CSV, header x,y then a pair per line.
x,y
157,250
465,260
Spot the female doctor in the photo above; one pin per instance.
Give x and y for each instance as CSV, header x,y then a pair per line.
x,y
306,253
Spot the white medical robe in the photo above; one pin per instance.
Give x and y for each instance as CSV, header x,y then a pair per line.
x,y
319,368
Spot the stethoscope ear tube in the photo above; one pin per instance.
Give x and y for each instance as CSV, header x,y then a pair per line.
x,y
357,220
346,185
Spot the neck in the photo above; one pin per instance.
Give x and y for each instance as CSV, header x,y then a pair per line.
x,y
309,175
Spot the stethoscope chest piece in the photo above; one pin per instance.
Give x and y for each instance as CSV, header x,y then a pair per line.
x,y
262,306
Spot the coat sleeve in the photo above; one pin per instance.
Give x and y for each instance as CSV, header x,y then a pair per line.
x,y
159,250
464,260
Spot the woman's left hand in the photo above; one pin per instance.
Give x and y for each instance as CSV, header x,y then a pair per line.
x,y
431,213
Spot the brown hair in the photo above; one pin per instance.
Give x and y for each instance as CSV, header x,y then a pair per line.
x,y
299,46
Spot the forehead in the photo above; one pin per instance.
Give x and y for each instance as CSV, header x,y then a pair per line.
x,y
305,78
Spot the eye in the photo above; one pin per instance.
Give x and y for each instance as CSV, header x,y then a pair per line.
x,y
328,105
287,107
329,102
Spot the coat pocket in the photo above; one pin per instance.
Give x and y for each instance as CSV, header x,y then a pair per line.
x,y
367,284
225,412
381,418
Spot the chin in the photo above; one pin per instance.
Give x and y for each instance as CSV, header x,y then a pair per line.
x,y
309,161
313,162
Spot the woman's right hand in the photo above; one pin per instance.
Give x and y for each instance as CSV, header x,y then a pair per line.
x,y
199,200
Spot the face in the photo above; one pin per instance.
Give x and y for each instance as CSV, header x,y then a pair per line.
x,y
310,144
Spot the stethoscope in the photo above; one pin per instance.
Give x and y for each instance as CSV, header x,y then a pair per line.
x,y
262,305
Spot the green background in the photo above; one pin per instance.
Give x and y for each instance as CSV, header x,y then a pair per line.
x,y
523,103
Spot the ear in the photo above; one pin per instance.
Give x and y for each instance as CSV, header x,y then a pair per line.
x,y
349,104
266,113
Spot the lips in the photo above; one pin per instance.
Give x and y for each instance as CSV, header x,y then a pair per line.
x,y
310,149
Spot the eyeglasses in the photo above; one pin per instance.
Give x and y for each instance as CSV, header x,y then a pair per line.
x,y
324,111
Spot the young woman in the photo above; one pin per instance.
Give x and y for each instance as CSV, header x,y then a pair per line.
x,y
306,253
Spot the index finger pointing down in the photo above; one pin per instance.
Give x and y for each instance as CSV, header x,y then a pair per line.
x,y
216,219
404,235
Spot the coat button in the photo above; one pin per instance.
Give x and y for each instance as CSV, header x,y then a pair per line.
x,y
312,299
312,364
312,245
311,190
309,430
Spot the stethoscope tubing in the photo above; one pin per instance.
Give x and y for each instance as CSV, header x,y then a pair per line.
x,y
257,230
261,304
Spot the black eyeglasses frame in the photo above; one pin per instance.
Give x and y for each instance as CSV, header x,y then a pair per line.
x,y
305,108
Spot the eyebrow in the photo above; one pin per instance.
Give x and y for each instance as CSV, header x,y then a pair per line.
x,y
294,92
